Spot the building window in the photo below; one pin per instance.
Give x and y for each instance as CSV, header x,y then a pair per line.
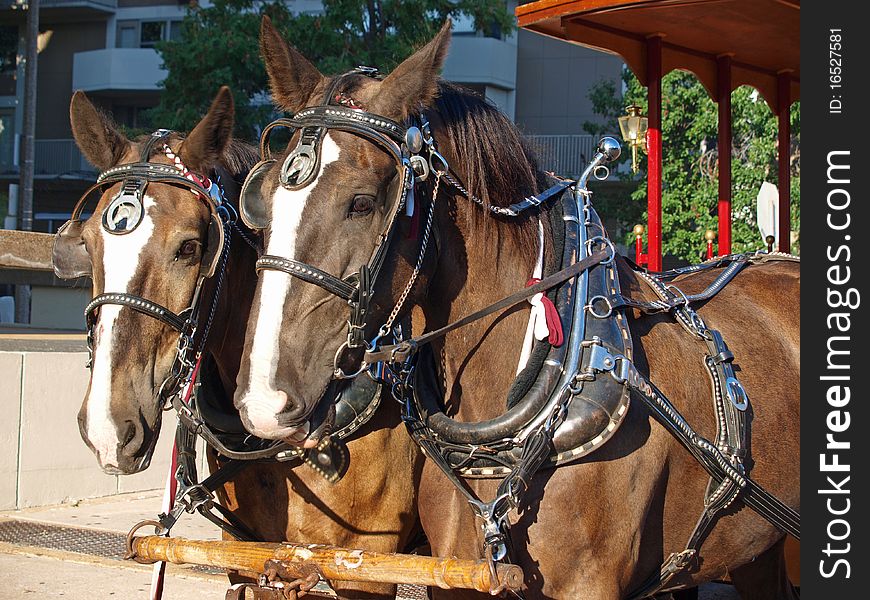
x,y
146,34
175,30
151,33
128,34
7,139
132,117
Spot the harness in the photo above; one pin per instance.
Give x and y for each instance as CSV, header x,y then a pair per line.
x,y
582,390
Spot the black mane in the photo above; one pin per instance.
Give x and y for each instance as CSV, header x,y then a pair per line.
x,y
498,165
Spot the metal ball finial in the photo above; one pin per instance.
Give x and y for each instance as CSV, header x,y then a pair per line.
x,y
709,235
610,148
638,230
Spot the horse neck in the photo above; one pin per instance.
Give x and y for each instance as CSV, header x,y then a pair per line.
x,y
478,263
227,335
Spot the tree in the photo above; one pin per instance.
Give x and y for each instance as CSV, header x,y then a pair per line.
x,y
690,160
219,46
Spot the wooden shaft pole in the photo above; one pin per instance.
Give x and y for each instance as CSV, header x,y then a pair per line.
x,y
336,564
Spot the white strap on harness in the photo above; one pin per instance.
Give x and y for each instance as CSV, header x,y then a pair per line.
x,y
537,327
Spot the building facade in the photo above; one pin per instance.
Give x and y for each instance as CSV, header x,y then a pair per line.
x,y
107,49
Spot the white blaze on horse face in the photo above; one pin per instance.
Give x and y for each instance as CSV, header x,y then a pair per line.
x,y
121,255
262,400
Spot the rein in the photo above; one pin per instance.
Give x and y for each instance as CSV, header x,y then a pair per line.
x,y
400,352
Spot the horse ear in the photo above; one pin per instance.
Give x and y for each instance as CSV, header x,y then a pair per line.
x,y
203,148
291,76
95,133
414,83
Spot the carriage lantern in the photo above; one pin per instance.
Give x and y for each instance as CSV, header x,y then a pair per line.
x,y
633,127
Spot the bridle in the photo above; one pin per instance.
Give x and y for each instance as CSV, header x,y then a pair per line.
x,y
403,143
414,151
128,202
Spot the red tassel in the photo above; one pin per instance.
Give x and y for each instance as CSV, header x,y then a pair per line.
x,y
554,323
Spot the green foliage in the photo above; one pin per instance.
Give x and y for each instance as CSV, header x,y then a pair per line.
x,y
607,103
219,46
689,171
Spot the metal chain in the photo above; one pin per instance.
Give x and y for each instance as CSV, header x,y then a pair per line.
x,y
388,325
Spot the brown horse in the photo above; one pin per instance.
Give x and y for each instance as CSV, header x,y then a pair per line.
x,y
596,527
159,259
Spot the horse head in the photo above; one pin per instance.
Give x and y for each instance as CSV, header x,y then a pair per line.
x,y
326,206
153,240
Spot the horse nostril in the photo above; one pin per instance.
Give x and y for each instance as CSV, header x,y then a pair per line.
x,y
129,434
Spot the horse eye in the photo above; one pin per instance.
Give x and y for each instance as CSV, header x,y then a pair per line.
x,y
188,249
362,205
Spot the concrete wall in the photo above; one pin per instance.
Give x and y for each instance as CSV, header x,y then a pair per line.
x,y
55,74
553,82
117,69
43,460
59,307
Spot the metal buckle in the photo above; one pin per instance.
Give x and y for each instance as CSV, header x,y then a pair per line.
x,y
736,393
600,359
433,155
591,307
367,71
680,296
492,523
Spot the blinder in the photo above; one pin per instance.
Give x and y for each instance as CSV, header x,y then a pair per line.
x,y
303,162
68,253
252,209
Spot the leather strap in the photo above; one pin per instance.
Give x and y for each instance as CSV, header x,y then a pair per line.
x,y
536,200
658,306
306,272
400,352
779,515
146,307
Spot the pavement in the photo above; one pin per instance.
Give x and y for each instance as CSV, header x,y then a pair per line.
x,y
74,551
28,569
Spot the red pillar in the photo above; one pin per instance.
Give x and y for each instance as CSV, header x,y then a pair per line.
x,y
723,97
784,158
654,147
